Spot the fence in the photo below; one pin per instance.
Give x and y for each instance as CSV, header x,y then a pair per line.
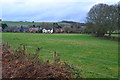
x,y
85,70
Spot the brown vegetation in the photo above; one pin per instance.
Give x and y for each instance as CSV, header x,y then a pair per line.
x,y
15,64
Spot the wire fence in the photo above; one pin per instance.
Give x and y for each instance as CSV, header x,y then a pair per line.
x,y
101,60
93,59
80,56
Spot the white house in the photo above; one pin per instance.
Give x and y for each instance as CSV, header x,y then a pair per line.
x,y
47,31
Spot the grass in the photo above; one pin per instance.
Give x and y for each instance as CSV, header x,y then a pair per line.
x,y
114,35
81,50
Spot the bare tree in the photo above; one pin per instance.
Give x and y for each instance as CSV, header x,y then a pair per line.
x,y
67,29
104,18
98,16
112,18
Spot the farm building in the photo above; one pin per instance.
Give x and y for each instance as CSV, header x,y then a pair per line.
x,y
47,30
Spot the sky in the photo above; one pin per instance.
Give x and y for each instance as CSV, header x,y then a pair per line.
x,y
48,10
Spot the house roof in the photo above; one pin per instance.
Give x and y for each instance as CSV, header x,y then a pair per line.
x,y
34,28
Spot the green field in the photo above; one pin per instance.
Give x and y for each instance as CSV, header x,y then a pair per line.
x,y
16,23
114,35
97,58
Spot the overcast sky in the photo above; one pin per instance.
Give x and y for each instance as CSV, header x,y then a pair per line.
x,y
47,10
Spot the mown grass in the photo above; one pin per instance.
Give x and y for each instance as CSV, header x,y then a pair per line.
x,y
114,35
81,50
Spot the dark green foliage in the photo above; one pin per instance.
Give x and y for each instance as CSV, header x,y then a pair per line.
x,y
71,26
21,30
33,25
56,25
40,30
32,21
4,26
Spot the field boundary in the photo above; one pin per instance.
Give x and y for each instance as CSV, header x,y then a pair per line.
x,y
51,51
87,58
84,57
95,72
99,60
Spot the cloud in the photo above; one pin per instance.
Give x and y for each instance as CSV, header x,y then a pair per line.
x,y
48,10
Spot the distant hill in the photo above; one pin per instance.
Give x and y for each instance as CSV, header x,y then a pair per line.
x,y
72,22
16,23
68,22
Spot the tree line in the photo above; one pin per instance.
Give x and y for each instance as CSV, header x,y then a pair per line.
x,y
102,19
